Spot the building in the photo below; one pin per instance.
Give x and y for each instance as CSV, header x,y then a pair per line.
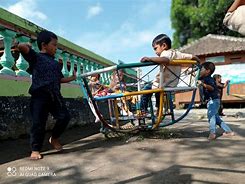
x,y
228,54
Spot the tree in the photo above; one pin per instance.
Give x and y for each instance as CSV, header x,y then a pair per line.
x,y
193,19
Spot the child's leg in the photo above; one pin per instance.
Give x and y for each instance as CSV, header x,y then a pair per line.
x,y
222,124
145,101
125,106
39,113
213,107
62,116
221,109
157,96
134,100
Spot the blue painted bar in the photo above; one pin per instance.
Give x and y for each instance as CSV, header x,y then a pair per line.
x,y
133,65
119,95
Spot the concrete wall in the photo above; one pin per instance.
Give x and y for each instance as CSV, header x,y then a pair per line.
x,y
15,119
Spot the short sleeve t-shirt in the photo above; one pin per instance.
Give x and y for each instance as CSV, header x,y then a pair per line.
x,y
169,79
45,70
210,94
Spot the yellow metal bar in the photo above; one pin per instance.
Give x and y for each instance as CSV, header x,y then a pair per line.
x,y
116,113
182,61
160,108
142,92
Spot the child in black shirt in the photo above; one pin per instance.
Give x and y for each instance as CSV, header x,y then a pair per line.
x,y
45,91
210,92
220,86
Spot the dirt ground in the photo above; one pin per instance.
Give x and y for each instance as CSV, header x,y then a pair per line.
x,y
176,154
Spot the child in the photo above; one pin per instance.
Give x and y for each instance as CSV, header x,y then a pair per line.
x,y
96,87
117,84
97,90
162,46
45,91
210,92
145,98
234,18
220,86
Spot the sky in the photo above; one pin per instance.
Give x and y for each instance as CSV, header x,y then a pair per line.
x,y
115,29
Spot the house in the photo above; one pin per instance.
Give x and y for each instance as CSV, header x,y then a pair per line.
x,y
228,54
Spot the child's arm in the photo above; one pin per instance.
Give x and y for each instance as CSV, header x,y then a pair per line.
x,y
196,59
69,79
23,47
206,86
235,5
220,85
92,83
158,60
226,83
27,52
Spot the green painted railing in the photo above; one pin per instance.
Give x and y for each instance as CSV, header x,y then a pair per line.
x,y
13,27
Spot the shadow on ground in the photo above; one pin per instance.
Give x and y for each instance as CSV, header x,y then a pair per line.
x,y
16,149
174,174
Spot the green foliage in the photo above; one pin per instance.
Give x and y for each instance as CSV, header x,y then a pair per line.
x,y
193,19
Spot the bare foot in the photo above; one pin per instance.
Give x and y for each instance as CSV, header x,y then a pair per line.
x,y
228,134
211,136
35,155
55,143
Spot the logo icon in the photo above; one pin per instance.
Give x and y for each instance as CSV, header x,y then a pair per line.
x,y
11,171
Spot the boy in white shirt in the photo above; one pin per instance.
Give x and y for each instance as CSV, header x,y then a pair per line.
x,y
167,76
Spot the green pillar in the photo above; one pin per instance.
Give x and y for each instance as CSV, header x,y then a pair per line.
x,y
7,60
93,66
102,75
79,63
85,65
21,63
72,62
65,56
58,54
89,66
107,74
96,66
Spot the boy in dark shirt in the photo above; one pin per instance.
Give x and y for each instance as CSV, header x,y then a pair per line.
x,y
210,92
220,86
45,91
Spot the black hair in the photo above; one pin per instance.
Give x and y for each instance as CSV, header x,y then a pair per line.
x,y
161,39
216,76
209,66
45,37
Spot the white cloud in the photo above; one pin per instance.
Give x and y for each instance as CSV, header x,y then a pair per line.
x,y
94,10
119,42
27,9
148,9
133,36
61,32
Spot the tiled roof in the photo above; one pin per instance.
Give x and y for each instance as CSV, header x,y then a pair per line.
x,y
214,44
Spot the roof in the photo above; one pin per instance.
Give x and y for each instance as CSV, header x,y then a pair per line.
x,y
214,44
